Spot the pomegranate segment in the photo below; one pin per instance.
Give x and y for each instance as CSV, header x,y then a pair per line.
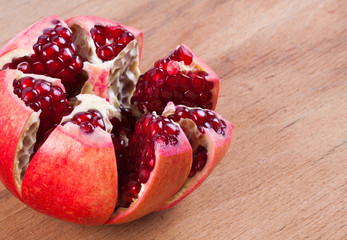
x,y
73,176
209,135
39,94
146,180
141,154
54,55
113,52
203,119
180,78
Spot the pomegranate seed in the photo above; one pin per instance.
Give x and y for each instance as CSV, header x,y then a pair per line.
x,y
134,187
29,95
190,96
64,33
143,175
42,87
43,39
76,64
184,83
117,48
49,50
185,55
178,96
87,127
56,22
106,53
198,84
113,32
44,102
27,82
171,83
38,68
126,38
157,77
53,66
59,41
172,67
166,95
24,67
66,54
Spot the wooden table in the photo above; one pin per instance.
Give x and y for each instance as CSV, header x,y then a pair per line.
x,y
283,67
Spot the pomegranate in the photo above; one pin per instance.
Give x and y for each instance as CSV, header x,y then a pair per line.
x,y
87,138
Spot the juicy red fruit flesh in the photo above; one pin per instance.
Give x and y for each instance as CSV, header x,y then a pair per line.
x,y
39,94
54,56
150,129
110,40
88,121
166,82
204,119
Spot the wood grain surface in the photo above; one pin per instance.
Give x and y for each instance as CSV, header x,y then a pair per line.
x,y
283,67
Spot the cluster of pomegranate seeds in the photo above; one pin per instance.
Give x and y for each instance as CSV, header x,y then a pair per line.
x,y
110,40
203,118
88,121
149,129
166,82
54,56
39,94
199,160
122,130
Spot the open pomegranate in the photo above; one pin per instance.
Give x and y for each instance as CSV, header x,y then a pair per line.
x,y
87,138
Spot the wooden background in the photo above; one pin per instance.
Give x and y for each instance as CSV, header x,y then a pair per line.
x,y
283,67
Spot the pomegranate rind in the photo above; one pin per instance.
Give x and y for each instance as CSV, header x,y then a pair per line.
x,y
73,176
217,146
17,119
172,167
22,44
97,80
14,116
212,76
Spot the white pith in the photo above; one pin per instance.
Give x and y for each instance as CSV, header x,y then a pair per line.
x,y
193,67
25,148
8,57
86,102
123,69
